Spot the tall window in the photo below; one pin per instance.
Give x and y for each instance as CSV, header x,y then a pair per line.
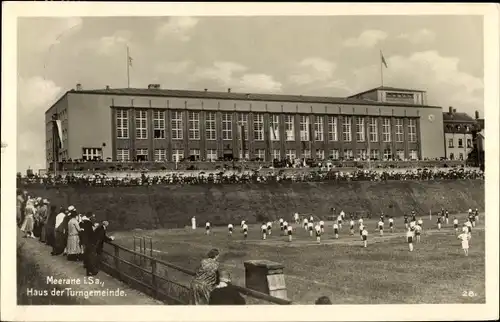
x,y
291,154
374,154
177,125
141,124
334,154
450,143
227,126
91,154
122,124
243,120
412,130
360,129
320,154
141,154
469,143
400,154
244,155
159,124
387,154
160,155
194,154
194,125
318,129
332,128
386,129
122,155
304,128
373,130
258,127
276,154
261,154
413,154
275,127
177,155
210,129
211,154
348,154
346,129
399,130
362,154
306,154
290,127
460,143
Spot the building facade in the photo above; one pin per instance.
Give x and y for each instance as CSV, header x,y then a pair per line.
x,y
156,124
458,137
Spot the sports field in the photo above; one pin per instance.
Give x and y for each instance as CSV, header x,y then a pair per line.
x,y
383,273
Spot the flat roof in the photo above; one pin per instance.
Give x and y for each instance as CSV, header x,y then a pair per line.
x,y
388,88
240,96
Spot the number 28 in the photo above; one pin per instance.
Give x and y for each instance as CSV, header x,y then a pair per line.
x,y
468,293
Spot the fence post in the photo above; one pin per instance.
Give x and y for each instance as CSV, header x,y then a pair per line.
x,y
117,260
153,277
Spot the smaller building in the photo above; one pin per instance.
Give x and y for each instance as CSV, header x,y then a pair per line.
x,y
458,134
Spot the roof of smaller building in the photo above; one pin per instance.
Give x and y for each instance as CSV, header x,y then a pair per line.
x,y
457,117
239,96
388,88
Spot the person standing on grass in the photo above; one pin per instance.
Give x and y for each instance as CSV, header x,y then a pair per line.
x,y
339,221
439,223
285,227
420,223
317,228
409,239
473,220
205,278
455,223
305,222
336,230
230,229
418,232
207,228
360,221
29,220
311,219
381,228
342,214
446,216
406,221
469,227
391,224
242,224
263,229
245,231
476,215
290,232
361,228
465,242
351,226
322,226
225,293
193,223
296,217
364,237
413,216
281,224
310,228
269,227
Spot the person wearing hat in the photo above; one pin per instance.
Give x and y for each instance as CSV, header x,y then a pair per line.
x,y
225,293
59,230
94,248
43,213
86,232
49,226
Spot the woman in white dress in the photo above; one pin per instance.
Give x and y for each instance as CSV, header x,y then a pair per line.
x,y
73,248
29,219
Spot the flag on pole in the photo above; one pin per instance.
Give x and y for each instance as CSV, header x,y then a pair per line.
x,y
383,59
59,132
273,132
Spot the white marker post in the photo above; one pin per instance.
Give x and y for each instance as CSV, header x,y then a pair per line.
x,y
430,214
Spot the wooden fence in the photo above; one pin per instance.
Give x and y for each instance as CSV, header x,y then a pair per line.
x,y
162,280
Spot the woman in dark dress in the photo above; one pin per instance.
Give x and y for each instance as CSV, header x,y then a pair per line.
x,y
50,225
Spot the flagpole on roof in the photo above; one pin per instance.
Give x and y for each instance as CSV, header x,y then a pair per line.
x,y
129,63
382,64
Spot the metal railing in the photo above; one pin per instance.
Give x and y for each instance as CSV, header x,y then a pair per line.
x,y
164,281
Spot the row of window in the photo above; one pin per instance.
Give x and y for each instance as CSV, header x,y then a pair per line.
x,y
451,143
317,130
123,155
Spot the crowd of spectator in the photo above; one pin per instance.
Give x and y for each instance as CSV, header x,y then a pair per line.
x,y
231,177
77,236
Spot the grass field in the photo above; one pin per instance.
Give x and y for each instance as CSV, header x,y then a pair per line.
x,y
383,273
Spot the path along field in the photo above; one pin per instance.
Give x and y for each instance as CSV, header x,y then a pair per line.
x,y
385,272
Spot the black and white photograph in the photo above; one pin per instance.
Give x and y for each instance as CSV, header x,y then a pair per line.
x,y
184,158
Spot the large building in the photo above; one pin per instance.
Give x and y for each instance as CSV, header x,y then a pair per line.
x,y
160,124
458,136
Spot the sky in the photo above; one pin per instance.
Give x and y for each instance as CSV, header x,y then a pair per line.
x,y
321,55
